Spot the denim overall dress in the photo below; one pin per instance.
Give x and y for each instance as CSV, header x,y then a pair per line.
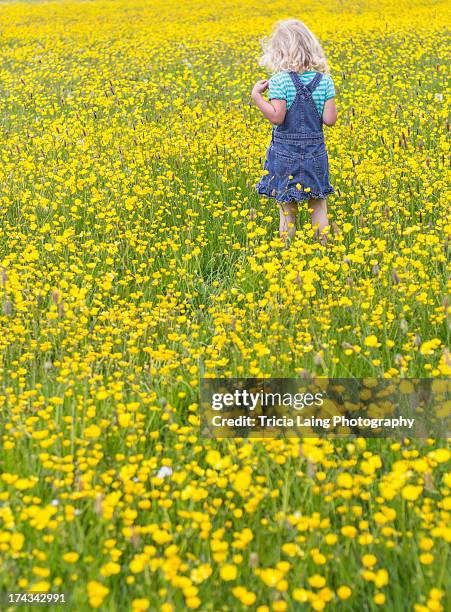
x,y
296,164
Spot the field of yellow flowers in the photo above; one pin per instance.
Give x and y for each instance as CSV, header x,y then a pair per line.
x,y
135,257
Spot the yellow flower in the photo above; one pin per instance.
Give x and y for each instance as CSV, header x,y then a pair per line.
x,y
93,431
71,557
290,549
246,597
201,573
368,575
441,455
349,531
411,492
344,480
25,483
319,559
228,572
110,569
300,595
138,564
381,578
40,587
372,341
344,592
213,457
325,594
140,605
242,481
331,539
249,598
42,572
271,576
96,593
192,603
316,581
16,542
369,560
379,599
426,543
124,419
161,536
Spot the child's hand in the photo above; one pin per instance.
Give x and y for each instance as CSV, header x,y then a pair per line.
x,y
259,88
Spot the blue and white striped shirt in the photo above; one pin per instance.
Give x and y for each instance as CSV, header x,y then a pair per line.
x,y
282,87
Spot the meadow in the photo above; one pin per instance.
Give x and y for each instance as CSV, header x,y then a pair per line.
x,y
136,257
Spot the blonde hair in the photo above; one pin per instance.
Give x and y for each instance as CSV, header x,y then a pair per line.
x,y
292,47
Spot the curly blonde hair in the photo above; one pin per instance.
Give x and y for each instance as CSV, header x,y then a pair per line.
x,y
292,47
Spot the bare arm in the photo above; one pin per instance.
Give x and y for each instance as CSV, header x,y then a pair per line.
x,y
330,112
274,110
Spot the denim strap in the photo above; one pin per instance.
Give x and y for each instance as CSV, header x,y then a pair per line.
x,y
300,87
314,82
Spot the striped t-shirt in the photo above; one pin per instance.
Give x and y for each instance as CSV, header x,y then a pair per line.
x,y
282,87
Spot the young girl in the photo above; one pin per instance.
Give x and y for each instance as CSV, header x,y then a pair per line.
x,y
301,98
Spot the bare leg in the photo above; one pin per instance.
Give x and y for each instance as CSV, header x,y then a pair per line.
x,y
288,213
319,218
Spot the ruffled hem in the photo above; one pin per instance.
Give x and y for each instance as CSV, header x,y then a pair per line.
x,y
292,194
